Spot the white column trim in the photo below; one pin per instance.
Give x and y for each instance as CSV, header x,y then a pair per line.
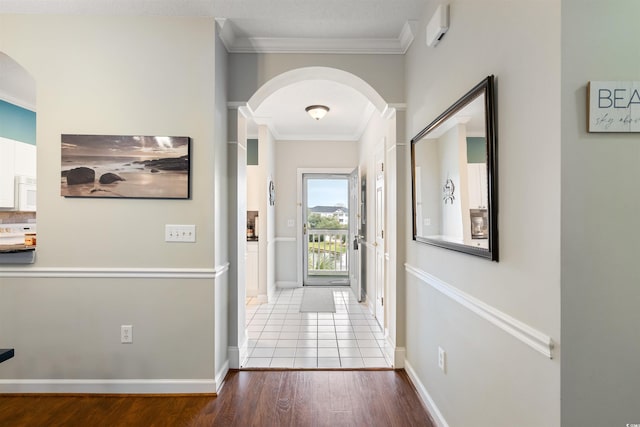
x,y
220,376
519,330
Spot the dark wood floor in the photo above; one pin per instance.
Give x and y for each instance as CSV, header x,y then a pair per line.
x,y
248,398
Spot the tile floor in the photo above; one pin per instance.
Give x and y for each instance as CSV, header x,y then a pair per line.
x,y
282,337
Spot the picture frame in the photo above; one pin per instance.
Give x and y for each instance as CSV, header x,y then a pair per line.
x,y
125,166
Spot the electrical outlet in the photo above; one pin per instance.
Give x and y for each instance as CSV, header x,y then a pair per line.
x,y
442,360
126,334
427,222
291,223
179,233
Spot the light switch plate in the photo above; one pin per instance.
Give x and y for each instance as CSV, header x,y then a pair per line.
x,y
179,233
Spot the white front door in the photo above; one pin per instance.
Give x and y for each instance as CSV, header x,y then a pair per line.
x,y
325,228
379,244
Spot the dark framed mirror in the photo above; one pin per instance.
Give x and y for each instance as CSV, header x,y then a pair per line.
x,y
454,176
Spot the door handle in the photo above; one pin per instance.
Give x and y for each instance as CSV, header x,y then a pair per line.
x,y
304,228
375,244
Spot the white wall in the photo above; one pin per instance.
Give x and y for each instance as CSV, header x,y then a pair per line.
x,y
372,146
449,153
493,378
267,167
600,205
131,76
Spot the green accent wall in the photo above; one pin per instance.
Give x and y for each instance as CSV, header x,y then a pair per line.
x,y
476,149
17,123
252,152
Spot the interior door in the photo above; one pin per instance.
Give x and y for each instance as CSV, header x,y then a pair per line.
x,y
354,234
379,244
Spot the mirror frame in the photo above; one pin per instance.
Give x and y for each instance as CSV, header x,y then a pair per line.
x,y
486,87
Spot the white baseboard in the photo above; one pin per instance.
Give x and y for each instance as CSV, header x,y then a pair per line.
x,y
110,386
239,355
287,285
262,299
233,353
221,374
395,354
437,416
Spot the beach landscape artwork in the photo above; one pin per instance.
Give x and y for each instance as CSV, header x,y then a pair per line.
x,y
125,166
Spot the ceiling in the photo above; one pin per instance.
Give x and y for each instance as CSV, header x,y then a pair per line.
x,y
284,112
284,26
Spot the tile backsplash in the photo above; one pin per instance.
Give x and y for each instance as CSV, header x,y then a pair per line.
x,y
15,217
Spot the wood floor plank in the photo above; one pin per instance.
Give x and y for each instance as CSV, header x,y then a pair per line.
x,y
264,413
248,398
340,390
286,398
303,404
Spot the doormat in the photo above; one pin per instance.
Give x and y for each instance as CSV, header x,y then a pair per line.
x,y
318,300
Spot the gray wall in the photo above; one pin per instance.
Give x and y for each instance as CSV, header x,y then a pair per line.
x,y
290,156
600,205
492,378
250,71
131,76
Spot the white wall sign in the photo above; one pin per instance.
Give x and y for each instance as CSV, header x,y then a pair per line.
x,y
614,106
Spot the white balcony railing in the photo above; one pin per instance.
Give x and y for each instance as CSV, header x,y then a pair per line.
x,y
328,253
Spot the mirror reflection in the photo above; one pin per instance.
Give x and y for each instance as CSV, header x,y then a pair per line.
x,y
453,161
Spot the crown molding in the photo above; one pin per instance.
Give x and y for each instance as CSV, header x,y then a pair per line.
x,y
18,102
390,46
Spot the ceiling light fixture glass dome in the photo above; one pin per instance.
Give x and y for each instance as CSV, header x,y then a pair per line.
x,y
317,111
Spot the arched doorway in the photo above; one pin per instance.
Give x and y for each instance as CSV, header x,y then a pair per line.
x,y
256,119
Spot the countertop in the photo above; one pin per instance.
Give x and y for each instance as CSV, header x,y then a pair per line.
x,y
7,249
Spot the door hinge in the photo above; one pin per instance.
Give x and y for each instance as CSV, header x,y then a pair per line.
x,y
382,234
382,301
382,167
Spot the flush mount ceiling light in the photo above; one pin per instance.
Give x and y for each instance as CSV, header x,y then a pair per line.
x,y
317,111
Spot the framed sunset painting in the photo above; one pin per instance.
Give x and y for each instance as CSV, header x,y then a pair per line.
x,y
110,166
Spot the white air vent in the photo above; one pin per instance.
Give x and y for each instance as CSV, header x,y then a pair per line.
x,y
438,25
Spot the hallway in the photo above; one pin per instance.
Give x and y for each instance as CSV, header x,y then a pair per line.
x,y
282,337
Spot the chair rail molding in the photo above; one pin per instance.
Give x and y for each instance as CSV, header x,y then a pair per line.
x,y
116,272
532,337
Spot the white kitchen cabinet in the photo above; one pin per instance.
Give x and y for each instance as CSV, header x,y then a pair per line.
x,y
7,173
16,159
478,185
25,159
253,269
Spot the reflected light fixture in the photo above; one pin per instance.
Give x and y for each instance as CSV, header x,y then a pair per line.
x,y
317,111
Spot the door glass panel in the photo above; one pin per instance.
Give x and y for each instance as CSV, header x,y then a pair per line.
x,y
326,229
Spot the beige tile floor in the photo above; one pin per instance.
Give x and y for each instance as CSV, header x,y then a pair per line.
x,y
282,337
